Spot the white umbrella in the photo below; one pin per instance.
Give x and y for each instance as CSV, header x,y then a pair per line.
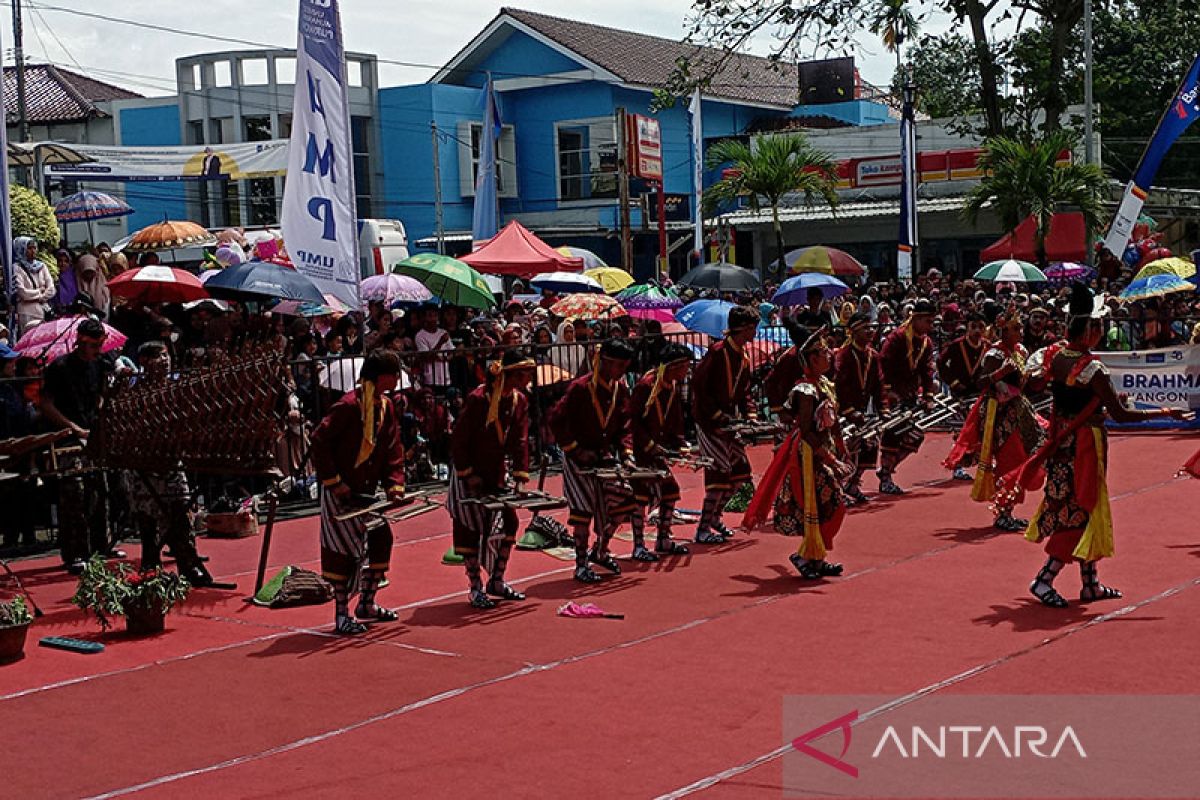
x,y
567,283
341,374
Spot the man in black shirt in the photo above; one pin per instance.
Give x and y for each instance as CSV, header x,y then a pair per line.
x,y
814,315
71,390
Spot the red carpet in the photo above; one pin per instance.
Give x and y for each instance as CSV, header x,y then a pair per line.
x,y
236,701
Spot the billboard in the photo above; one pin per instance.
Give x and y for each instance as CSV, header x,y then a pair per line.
x,y
644,140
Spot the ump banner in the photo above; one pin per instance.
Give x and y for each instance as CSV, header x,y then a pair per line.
x,y
1167,378
319,225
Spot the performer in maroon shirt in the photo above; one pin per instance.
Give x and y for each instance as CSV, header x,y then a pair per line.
x,y
785,373
858,380
958,367
656,422
354,449
589,424
907,361
720,391
493,427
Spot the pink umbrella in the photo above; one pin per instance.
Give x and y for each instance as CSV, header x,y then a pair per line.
x,y
663,315
392,288
56,338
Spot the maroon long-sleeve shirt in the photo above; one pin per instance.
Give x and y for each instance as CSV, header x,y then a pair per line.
x,y
336,442
479,449
721,386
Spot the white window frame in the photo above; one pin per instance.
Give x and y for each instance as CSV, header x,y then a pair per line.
x,y
576,123
468,160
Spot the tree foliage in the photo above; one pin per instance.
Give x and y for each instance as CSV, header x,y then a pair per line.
x,y
33,216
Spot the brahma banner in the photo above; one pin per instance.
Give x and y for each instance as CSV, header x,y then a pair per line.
x,y
320,228
198,162
1167,378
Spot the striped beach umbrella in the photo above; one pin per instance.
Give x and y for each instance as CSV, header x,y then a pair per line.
x,y
88,205
826,260
1011,270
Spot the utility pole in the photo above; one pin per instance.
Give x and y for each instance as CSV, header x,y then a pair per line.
x,y
437,190
1088,133
623,190
19,55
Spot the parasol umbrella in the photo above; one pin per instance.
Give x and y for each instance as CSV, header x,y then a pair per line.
x,y
660,314
794,291
392,288
88,205
590,259
720,276
157,284
611,278
341,374
449,279
168,235
649,295
588,306
1068,271
302,308
825,260
1011,270
673,327
566,283
262,280
1155,286
550,374
208,273
706,316
55,338
1180,267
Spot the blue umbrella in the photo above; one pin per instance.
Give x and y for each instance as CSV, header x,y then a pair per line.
x,y
1156,286
88,205
706,316
259,280
794,291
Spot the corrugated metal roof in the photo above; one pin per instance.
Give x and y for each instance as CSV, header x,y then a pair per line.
x,y
856,210
53,94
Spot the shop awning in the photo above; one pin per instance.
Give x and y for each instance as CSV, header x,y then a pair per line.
x,y
1067,241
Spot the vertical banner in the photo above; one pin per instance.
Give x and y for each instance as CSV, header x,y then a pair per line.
x,y
697,173
907,241
6,256
320,227
485,220
1181,113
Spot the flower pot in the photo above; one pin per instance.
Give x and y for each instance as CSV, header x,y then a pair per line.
x,y
144,620
12,642
236,525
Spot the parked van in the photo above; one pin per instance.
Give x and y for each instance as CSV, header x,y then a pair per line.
x,y
381,243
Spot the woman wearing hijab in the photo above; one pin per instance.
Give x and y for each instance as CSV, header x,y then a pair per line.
x,y
866,305
89,279
567,354
35,286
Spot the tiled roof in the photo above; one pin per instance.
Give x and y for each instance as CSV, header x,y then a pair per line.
x,y
648,60
53,94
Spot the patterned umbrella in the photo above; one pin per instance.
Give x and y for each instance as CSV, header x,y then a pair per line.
x,y
393,288
1068,271
649,295
590,259
158,284
168,235
588,306
1156,286
449,279
794,291
300,308
660,314
826,260
55,338
88,205
612,279
1011,270
1180,267
566,283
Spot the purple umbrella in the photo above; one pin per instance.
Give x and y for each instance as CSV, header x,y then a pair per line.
x,y
392,288
1069,271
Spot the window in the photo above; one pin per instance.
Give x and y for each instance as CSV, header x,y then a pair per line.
x,y
196,132
355,73
360,141
285,70
191,76
587,159
468,159
254,71
222,73
262,201
258,129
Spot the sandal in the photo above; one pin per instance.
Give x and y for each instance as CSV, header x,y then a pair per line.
x,y
829,569
1099,591
671,548
723,530
1048,597
348,626
607,561
708,537
640,553
888,486
585,575
809,570
1007,522
480,600
504,591
381,614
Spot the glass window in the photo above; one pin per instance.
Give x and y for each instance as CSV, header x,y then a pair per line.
x,y
196,132
503,167
285,70
354,73
222,73
360,134
254,71
262,201
587,159
258,129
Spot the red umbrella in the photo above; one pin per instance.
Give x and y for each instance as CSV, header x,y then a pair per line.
x,y
55,338
158,284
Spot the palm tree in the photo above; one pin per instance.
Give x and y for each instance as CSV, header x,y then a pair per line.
x,y
1023,178
766,171
894,23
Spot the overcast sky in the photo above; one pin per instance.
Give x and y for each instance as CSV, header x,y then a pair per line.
x,y
421,32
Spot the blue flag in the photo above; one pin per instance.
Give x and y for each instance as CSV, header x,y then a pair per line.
x,y
1184,110
486,219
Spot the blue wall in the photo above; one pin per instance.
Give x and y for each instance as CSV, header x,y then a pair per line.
x,y
152,125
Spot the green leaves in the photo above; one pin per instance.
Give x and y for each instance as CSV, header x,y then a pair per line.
x,y
772,167
33,216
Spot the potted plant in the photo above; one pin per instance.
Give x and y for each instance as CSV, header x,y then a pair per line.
x,y
15,620
143,598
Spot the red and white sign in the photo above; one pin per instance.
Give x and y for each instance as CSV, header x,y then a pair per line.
x,y
883,171
644,139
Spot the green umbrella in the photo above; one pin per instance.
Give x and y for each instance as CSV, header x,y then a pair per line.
x,y
449,279
649,295
1011,270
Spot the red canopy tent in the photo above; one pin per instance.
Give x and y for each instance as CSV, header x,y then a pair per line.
x,y
1066,241
516,251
